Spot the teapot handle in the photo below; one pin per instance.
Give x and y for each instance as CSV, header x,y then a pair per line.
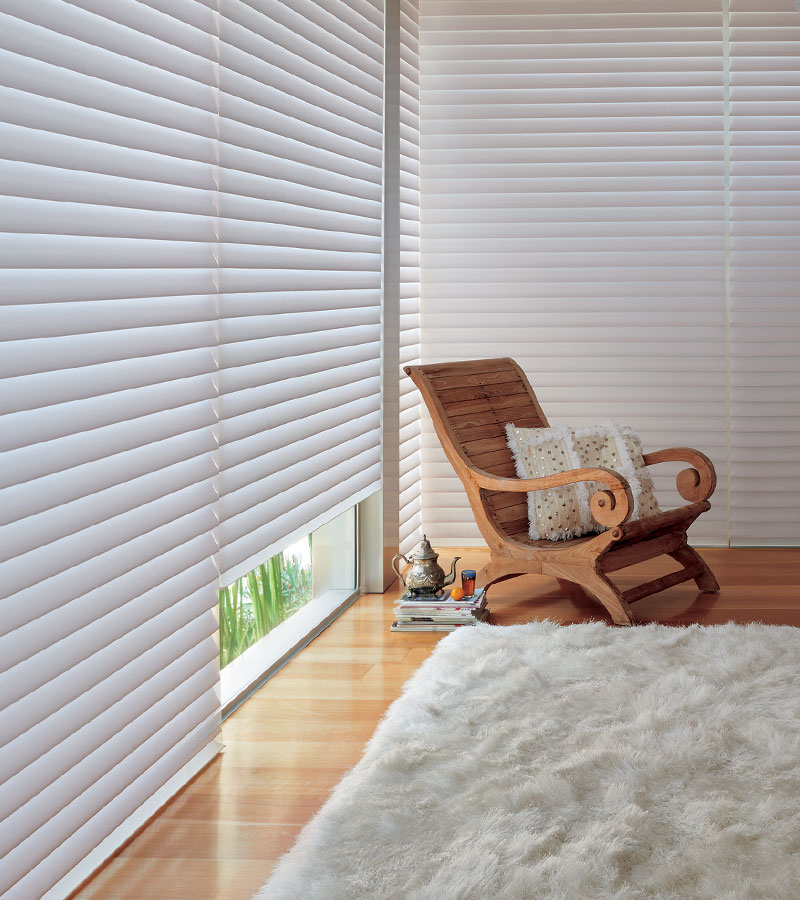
x,y
394,566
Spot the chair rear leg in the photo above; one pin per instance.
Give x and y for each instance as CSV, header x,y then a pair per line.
x,y
688,556
610,596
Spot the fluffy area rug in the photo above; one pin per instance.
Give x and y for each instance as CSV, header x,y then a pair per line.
x,y
540,761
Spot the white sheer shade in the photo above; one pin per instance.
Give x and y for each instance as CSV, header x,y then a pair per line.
x,y
190,274
573,194
301,94
107,273
765,272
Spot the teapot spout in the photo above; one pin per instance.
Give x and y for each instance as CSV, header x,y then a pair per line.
x,y
451,577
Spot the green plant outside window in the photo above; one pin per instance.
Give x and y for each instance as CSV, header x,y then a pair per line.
x,y
263,598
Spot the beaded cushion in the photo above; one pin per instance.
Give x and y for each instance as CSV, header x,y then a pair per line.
x,y
564,512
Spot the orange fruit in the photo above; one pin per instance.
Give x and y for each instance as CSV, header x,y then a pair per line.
x,y
457,594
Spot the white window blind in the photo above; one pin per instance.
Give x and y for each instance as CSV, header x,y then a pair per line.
x,y
573,218
190,253
107,650
410,518
300,269
765,271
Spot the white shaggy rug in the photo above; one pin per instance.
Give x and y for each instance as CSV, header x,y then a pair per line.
x,y
540,761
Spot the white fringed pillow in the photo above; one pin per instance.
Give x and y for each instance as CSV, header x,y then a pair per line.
x,y
564,512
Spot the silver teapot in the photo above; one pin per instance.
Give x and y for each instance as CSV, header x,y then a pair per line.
x,y
426,576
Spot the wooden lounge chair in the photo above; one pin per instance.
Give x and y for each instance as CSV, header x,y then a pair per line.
x,y
470,403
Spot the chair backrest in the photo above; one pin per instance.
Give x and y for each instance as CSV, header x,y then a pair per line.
x,y
470,403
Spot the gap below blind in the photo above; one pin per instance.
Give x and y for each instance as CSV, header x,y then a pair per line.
x,y
243,676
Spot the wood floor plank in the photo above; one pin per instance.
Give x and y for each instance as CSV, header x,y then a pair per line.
x,y
289,745
126,878
200,839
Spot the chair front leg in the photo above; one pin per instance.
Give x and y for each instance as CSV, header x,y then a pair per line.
x,y
598,586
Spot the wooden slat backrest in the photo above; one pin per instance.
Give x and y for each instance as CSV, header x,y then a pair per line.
x,y
470,403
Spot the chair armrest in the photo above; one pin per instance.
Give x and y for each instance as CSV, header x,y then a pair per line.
x,y
610,508
693,484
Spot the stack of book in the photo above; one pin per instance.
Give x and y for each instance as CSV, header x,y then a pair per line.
x,y
439,612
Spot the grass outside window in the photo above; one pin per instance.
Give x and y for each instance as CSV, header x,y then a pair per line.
x,y
263,598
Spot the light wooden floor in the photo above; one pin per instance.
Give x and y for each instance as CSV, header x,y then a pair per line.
x,y
292,742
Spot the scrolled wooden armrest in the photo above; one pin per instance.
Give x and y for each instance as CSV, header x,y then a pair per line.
x,y
610,508
693,484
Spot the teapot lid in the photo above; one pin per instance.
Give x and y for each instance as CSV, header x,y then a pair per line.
x,y
424,551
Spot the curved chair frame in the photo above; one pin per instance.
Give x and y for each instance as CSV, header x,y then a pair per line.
x,y
470,403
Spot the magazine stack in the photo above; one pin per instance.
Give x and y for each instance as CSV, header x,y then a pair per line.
x,y
439,612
